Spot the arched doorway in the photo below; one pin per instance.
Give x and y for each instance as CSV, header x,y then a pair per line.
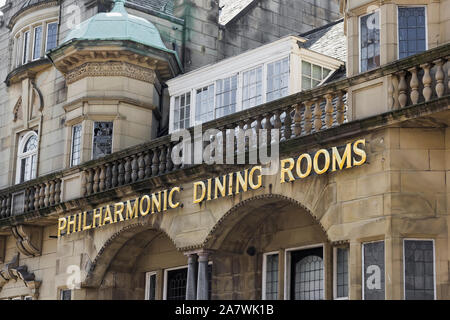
x,y
270,247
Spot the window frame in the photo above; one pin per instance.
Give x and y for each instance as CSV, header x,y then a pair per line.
x,y
46,33
34,28
398,26
195,100
362,266
359,36
335,249
287,267
434,264
263,84
93,137
72,144
166,278
311,78
20,155
26,46
61,294
147,283
264,273
288,57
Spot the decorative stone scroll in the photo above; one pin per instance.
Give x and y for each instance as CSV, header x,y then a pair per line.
x,y
12,271
29,239
110,69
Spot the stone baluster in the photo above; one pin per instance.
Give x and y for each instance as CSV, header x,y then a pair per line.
x,y
141,166
268,127
297,120
169,158
317,115
30,199
240,143
52,193
426,80
134,168
308,116
340,108
277,121
115,174
41,195
90,181
258,128
155,162
26,200
58,191
127,176
95,186
36,197
162,160
3,207
148,164
329,110
440,88
101,185
108,176
46,194
121,170
288,124
8,206
402,88
414,84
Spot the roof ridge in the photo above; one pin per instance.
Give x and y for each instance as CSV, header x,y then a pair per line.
x,y
321,28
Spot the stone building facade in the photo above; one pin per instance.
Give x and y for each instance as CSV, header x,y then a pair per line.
x,y
93,205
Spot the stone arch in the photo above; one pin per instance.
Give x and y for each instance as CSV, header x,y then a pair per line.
x,y
105,257
234,215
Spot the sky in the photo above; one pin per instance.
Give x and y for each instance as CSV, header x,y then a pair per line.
x,y
2,3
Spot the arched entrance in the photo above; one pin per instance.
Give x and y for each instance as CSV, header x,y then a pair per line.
x,y
270,247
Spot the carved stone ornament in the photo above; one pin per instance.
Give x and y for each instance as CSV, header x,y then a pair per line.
x,y
17,111
109,69
28,239
12,271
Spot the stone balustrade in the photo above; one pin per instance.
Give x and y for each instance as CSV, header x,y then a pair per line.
x,y
410,81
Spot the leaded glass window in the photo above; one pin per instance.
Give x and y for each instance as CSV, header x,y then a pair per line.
x,y
204,106
26,45
52,36
76,145
309,278
370,41
271,277
411,30
182,111
312,75
252,88
419,270
27,157
151,286
103,135
176,284
226,96
277,79
342,272
37,42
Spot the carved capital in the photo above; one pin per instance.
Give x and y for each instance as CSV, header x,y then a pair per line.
x,y
28,239
110,69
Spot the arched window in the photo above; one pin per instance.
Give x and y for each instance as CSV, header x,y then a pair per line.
x,y
27,157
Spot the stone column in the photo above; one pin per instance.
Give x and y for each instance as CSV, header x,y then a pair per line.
x,y
191,286
203,284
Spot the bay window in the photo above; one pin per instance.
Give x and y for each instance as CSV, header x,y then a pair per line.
x,y
411,31
369,40
252,88
182,111
226,96
204,107
277,79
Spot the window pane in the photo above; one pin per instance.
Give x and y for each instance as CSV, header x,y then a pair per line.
x,y
271,277
204,107
182,111
277,79
176,284
419,270
370,41
37,42
52,35
411,24
342,272
103,134
26,43
306,68
76,145
252,88
226,96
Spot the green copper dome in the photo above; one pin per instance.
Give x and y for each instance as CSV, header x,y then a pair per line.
x,y
118,25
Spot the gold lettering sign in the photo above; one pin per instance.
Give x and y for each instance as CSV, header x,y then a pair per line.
x,y
322,161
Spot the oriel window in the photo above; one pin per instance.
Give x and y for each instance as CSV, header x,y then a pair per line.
x,y
411,31
103,138
182,111
369,28
204,106
252,88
